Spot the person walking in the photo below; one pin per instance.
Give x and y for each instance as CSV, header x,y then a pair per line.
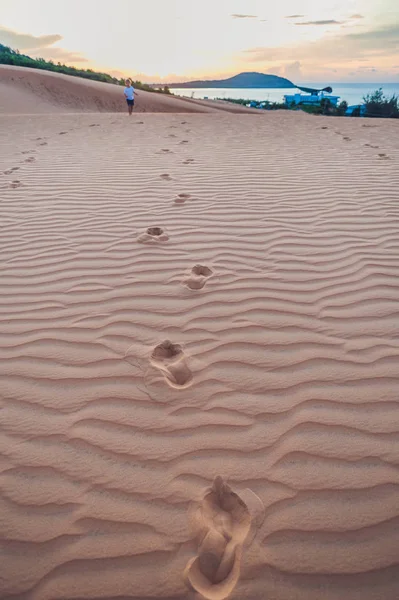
x,y
129,95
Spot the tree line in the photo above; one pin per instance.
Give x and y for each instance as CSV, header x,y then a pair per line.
x,y
8,56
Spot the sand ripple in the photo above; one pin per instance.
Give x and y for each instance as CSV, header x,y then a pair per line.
x,y
238,317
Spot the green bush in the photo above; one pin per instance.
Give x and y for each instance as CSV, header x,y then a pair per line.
x,y
341,108
378,105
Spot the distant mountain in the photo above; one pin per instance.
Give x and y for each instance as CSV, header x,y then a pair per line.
x,y
242,80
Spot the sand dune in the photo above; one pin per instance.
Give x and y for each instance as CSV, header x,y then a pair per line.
x,y
188,296
25,90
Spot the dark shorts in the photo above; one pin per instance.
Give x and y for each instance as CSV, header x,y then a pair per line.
x,y
130,102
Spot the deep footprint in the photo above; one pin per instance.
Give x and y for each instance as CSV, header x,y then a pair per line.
x,y
171,360
153,235
181,198
199,276
222,522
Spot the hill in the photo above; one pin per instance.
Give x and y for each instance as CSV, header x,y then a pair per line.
x,y
242,80
25,91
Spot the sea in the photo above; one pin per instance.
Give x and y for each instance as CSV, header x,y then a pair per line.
x,y
351,92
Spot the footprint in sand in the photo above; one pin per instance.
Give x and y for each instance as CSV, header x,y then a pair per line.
x,y
323,127
198,277
371,146
347,139
183,122
222,521
166,177
166,150
188,161
43,144
28,151
384,157
171,360
31,159
15,184
95,125
63,133
153,235
181,198
184,142
9,171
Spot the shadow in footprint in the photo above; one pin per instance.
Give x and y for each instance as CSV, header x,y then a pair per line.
x,y
31,159
15,184
63,133
222,521
166,177
371,146
198,278
384,157
153,235
188,161
181,198
95,125
171,360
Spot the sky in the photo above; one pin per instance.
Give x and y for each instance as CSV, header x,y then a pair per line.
x,y
179,40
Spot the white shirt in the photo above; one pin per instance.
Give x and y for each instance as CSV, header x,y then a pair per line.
x,y
129,93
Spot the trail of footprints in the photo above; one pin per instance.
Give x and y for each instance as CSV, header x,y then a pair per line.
x,y
31,159
222,520
381,155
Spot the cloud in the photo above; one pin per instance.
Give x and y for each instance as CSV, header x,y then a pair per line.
x,y
356,16
39,46
293,71
57,55
235,16
26,41
326,22
383,41
294,17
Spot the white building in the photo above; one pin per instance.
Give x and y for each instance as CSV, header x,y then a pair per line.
x,y
314,98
